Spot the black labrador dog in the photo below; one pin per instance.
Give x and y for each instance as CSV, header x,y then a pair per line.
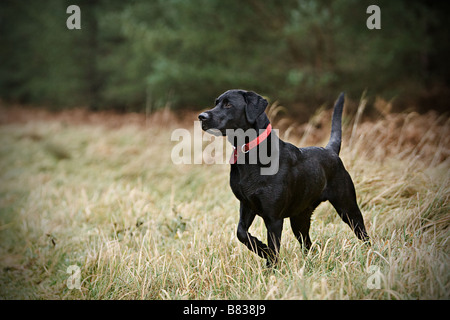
x,y
301,179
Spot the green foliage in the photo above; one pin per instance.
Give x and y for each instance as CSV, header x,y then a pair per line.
x,y
151,54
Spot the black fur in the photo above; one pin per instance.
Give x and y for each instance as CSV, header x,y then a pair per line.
x,y
305,177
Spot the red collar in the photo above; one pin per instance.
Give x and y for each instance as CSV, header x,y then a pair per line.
x,y
248,146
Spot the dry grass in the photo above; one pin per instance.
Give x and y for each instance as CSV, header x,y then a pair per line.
x,y
100,192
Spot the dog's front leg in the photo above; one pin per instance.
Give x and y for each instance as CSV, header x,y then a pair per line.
x,y
274,230
253,244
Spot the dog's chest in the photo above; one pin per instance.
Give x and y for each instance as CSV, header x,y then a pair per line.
x,y
254,192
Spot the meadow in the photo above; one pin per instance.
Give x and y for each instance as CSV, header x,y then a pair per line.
x,y
98,193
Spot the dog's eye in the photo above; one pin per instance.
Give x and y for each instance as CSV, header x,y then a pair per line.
x,y
227,105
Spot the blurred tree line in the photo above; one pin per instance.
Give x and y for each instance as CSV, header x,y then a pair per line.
x,y
143,55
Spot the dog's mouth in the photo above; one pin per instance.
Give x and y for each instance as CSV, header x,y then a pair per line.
x,y
205,126
211,130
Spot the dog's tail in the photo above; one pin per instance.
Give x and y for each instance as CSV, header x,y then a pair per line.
x,y
336,131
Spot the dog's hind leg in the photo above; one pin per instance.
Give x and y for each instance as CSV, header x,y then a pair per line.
x,y
344,201
300,227
353,217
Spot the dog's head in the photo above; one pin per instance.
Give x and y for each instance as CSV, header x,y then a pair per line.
x,y
235,109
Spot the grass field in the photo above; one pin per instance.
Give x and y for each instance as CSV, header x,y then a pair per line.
x,y
98,193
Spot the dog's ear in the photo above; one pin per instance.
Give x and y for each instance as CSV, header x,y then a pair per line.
x,y
255,105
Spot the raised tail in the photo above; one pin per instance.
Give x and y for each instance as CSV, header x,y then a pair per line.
x,y
336,131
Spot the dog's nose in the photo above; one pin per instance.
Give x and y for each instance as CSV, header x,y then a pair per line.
x,y
203,116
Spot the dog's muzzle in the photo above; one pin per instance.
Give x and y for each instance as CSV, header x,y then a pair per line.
x,y
204,117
